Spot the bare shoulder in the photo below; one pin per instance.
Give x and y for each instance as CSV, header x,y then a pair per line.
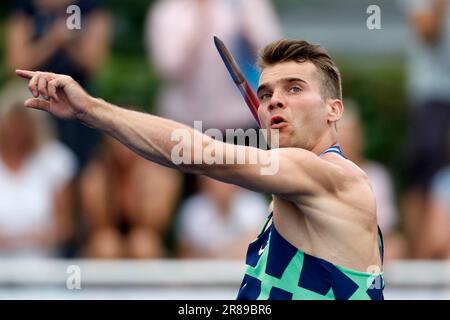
x,y
354,189
347,171
308,174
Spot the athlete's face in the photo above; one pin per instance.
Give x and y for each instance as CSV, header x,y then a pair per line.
x,y
291,101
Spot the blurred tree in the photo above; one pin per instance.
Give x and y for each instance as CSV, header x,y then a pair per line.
x,y
127,78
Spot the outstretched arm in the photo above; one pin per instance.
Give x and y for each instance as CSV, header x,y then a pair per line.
x,y
295,171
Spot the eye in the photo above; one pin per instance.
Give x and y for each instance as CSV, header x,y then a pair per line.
x,y
265,96
295,89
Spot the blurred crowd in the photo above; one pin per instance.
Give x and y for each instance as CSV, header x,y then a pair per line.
x,y
67,191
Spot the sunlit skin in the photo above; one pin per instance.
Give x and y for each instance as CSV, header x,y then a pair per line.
x,y
293,91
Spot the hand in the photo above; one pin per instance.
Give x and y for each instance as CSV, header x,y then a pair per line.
x,y
59,34
60,94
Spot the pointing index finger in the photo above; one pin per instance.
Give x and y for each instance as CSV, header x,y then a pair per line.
x,y
25,73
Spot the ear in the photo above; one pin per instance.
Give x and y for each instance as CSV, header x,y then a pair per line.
x,y
335,110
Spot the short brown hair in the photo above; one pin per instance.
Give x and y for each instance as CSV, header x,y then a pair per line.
x,y
302,51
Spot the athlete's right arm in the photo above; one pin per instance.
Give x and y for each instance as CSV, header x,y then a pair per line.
x,y
284,171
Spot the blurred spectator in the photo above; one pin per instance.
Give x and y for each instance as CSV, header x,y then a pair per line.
x,y
35,175
429,94
198,87
37,38
219,221
437,227
127,204
352,143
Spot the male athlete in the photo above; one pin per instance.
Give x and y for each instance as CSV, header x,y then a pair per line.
x,y
323,242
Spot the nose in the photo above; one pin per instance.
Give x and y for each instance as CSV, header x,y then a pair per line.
x,y
276,101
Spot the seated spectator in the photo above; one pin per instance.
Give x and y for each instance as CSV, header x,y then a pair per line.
x,y
127,204
352,144
219,221
35,176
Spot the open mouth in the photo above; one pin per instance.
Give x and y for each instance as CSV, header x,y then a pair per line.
x,y
277,122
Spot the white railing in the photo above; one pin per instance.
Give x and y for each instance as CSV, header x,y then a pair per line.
x,y
182,279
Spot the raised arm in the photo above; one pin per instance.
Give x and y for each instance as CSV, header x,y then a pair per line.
x,y
285,171
91,48
24,52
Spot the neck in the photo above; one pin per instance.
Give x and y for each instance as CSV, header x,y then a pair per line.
x,y
12,160
328,140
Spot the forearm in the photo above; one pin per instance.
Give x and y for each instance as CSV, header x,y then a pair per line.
x,y
22,51
31,55
146,134
90,50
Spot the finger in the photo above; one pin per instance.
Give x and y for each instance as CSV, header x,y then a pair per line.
x,y
32,85
61,81
37,103
25,73
52,85
42,86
